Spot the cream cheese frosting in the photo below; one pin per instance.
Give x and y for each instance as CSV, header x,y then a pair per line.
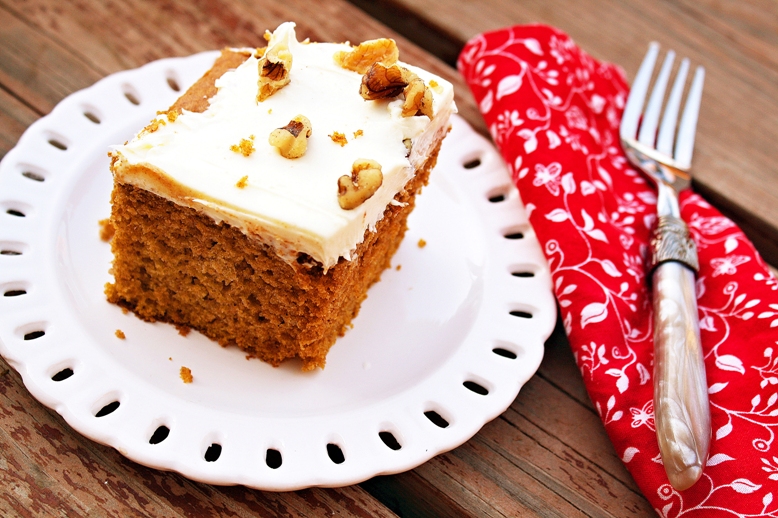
x,y
290,204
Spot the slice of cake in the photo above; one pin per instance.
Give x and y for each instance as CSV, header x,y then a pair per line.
x,y
263,204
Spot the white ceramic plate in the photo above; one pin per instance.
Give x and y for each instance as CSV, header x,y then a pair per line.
x,y
467,313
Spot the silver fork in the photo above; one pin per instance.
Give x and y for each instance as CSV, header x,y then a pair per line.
x,y
681,408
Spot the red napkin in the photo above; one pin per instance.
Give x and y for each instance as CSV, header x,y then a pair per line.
x,y
554,112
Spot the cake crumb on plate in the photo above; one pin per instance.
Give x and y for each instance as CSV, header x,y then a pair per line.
x,y
186,374
106,229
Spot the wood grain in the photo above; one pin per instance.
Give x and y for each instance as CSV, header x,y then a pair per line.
x,y
548,454
46,469
735,159
84,38
15,117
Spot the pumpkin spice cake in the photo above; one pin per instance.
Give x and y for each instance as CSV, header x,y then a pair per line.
x,y
263,204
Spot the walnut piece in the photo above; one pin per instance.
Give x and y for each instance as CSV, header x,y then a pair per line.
x,y
274,67
381,82
364,55
418,98
366,177
292,139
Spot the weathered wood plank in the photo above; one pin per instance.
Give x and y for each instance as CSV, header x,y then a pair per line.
x,y
735,162
34,68
47,469
559,367
86,35
518,465
576,437
15,117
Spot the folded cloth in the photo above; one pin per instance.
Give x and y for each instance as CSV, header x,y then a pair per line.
x,y
554,112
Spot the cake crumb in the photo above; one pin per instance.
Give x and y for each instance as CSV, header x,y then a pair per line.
x,y
338,138
246,146
435,86
422,243
120,334
170,358
106,229
358,133
125,311
186,375
398,267
243,182
183,330
171,115
154,125
269,111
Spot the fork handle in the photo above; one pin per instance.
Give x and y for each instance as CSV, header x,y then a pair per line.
x,y
681,408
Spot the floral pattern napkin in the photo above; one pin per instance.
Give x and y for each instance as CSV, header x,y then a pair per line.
x,y
554,112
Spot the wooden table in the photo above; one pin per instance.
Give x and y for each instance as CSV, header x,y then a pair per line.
x,y
548,453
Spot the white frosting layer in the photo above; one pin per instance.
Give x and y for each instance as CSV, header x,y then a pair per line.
x,y
289,203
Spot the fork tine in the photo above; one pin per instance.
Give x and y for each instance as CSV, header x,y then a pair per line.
x,y
684,145
650,120
637,95
664,143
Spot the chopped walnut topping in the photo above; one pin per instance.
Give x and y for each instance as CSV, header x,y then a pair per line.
x,y
381,82
338,138
245,147
418,99
274,67
267,35
243,182
358,133
186,375
292,139
365,179
364,55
